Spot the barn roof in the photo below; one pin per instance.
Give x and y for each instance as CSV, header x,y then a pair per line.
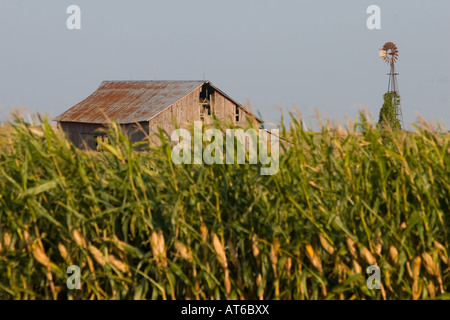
x,y
130,101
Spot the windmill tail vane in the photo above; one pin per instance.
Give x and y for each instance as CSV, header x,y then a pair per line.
x,y
382,53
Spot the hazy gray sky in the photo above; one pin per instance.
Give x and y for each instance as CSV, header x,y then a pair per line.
x,y
309,53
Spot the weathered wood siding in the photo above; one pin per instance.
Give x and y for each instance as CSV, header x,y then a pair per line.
x,y
187,110
183,112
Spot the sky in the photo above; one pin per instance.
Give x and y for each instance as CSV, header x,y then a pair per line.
x,y
276,54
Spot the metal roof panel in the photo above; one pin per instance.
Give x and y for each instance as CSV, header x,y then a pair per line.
x,y
128,101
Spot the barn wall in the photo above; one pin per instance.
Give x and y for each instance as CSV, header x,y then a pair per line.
x,y
137,133
245,118
185,111
225,110
82,134
188,110
79,132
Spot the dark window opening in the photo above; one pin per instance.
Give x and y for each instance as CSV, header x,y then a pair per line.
x,y
206,101
206,110
204,93
237,113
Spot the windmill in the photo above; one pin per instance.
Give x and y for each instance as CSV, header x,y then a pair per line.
x,y
389,54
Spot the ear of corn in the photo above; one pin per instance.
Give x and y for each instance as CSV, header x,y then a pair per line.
x,y
428,263
351,245
98,256
325,244
183,251
159,249
40,255
79,238
314,258
63,251
368,256
393,253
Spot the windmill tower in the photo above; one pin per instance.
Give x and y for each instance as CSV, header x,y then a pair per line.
x,y
389,54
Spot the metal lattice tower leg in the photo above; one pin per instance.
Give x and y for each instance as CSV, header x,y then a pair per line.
x,y
393,88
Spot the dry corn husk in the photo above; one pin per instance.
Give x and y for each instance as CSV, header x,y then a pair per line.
x,y
378,249
443,252
429,264
325,244
79,238
255,245
388,279
288,265
441,284
98,256
204,232
393,253
416,290
227,281
379,245
439,246
26,237
383,291
432,268
274,255
408,268
356,267
117,263
39,255
63,251
220,251
431,290
183,251
370,259
351,247
313,257
159,248
341,268
6,239
221,256
416,267
259,283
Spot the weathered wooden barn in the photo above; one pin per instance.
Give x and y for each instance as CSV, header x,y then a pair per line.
x,y
141,107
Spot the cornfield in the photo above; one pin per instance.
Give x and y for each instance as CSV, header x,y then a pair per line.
x,y
140,227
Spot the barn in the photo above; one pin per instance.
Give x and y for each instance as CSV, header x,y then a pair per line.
x,y
141,107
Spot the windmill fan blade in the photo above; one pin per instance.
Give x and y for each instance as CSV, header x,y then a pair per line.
x,y
391,51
